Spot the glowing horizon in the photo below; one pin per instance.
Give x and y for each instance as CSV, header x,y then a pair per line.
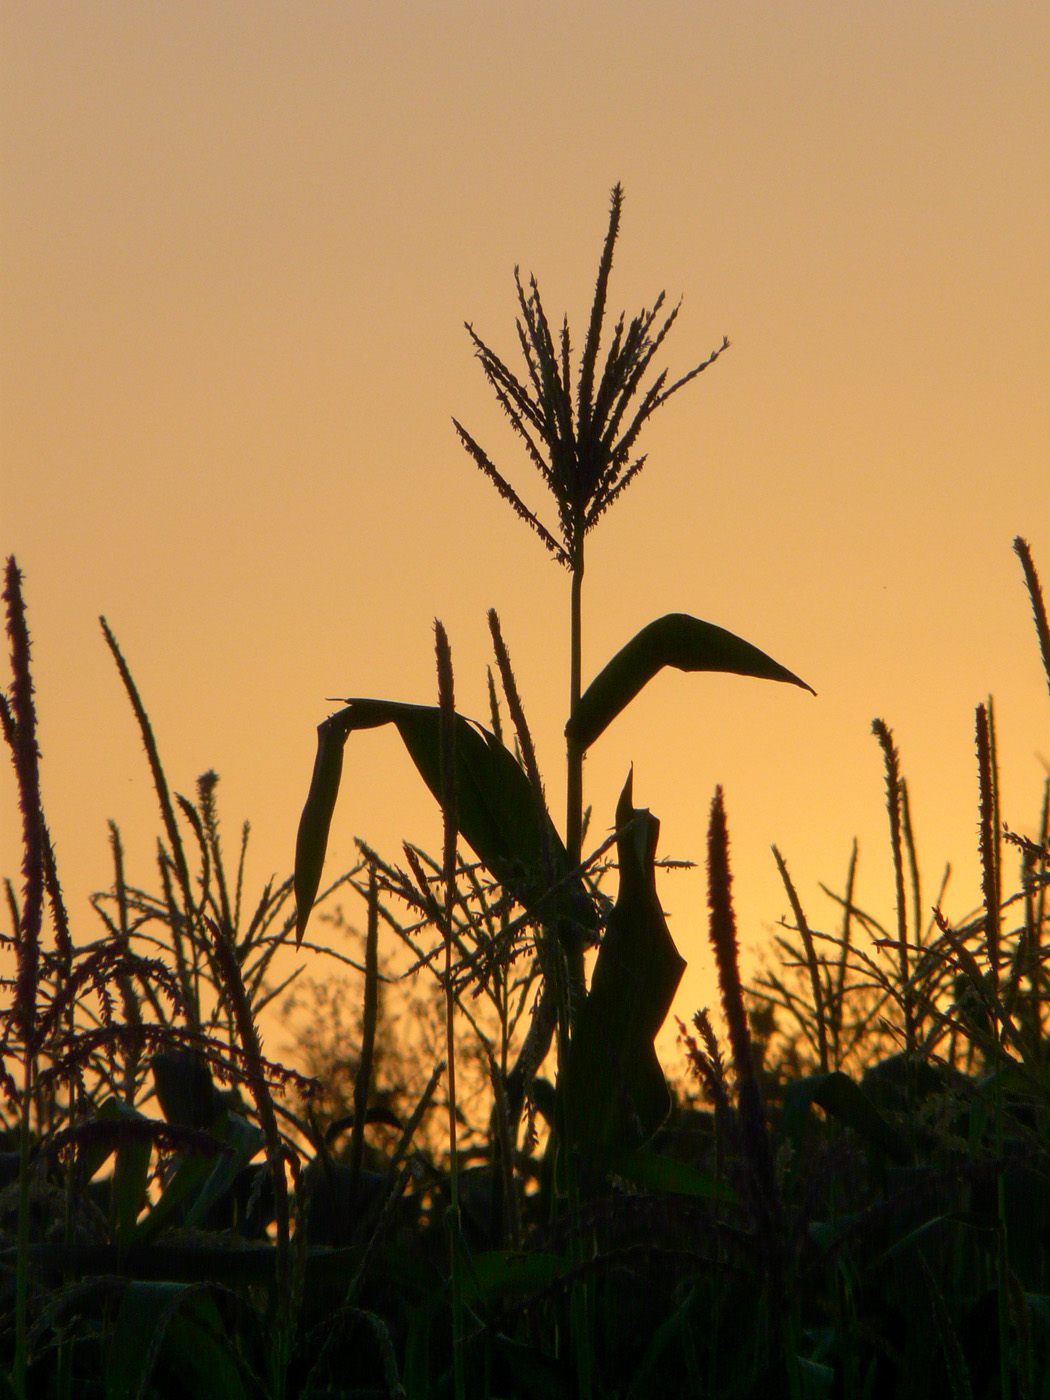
x,y
240,243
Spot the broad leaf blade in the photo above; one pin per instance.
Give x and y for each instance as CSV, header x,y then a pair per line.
x,y
181,1321
615,1092
676,640
316,820
656,1171
498,812
838,1095
244,1139
499,1274
185,1089
131,1169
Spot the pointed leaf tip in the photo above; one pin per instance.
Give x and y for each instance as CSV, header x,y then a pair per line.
x,y
316,820
677,640
496,805
614,1089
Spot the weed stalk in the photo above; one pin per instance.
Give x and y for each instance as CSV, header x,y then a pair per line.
x,y
447,706
811,961
893,805
991,857
22,727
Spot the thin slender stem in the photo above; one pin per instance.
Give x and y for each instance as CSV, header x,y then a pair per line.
x,y
574,793
893,804
449,795
571,941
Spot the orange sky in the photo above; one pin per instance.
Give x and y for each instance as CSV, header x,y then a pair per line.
x,y
239,242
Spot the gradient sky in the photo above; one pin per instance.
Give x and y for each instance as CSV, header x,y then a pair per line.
x,y
239,243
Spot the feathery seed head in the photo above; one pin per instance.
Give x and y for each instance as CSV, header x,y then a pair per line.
x,y
582,443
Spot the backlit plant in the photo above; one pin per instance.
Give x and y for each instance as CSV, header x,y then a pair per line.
x,y
897,1243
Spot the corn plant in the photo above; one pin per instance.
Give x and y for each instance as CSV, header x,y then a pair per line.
x,y
580,425
580,431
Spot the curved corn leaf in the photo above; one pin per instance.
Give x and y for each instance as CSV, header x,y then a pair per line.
x,y
656,1171
245,1139
185,1089
817,1379
837,1094
182,1322
131,1170
498,1274
615,1092
498,811
675,640
311,841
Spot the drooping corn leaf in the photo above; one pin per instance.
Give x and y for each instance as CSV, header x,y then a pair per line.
x,y
131,1169
190,1098
674,640
838,1095
244,1139
185,1089
179,1326
311,841
615,1092
498,812
817,1379
497,1274
656,1171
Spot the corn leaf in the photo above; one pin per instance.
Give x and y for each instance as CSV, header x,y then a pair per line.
x,y
838,1095
181,1321
656,1171
131,1169
498,811
615,1091
674,640
498,1274
316,820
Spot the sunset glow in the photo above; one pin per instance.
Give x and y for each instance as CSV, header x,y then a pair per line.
x,y
239,244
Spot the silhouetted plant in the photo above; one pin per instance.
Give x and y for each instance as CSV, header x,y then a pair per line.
x,y
864,1214
583,444
534,891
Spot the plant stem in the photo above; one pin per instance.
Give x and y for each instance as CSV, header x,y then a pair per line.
x,y
449,795
574,789
21,1358
571,941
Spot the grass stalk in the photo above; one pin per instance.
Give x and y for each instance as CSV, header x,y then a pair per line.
x,y
991,854
838,1009
363,1080
517,714
1035,593
571,941
1040,874
989,843
178,852
893,806
913,863
20,725
506,1108
811,961
230,970
447,706
754,1130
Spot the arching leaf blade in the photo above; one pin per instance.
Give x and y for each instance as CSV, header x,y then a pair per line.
x,y
677,640
613,1088
178,1328
311,841
498,812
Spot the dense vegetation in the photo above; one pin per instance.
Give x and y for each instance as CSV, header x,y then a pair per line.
x,y
498,1194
